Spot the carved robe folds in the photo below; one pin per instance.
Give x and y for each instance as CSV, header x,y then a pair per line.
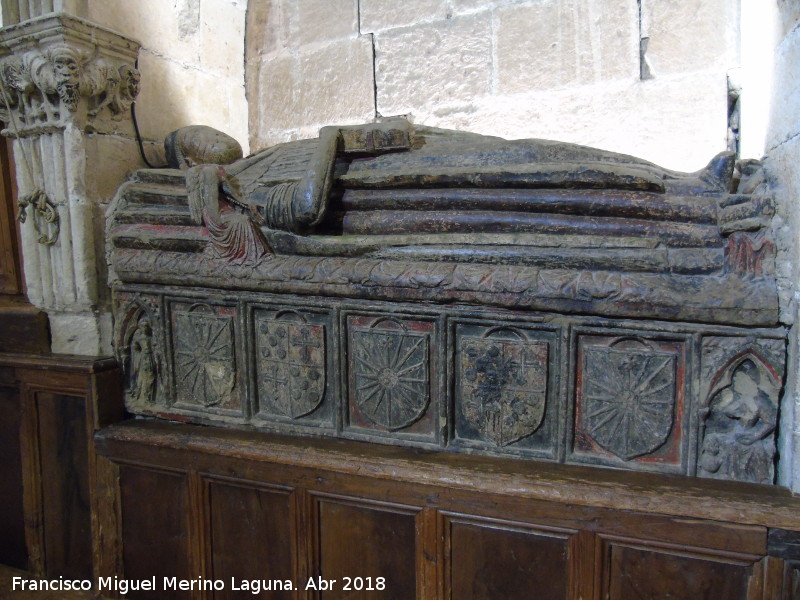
x,y
461,292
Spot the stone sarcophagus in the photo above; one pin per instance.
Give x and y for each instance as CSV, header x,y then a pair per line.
x,y
451,291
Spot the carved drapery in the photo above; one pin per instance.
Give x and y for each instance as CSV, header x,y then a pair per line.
x,y
61,80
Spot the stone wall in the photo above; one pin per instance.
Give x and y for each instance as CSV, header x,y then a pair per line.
x,y
783,158
648,78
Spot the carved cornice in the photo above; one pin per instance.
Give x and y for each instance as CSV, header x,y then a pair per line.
x,y
59,69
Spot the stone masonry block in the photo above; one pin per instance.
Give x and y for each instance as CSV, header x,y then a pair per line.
x,y
222,30
459,7
789,12
173,95
784,121
679,124
336,84
555,43
325,20
781,164
690,35
435,63
169,28
112,158
273,98
87,333
268,27
378,15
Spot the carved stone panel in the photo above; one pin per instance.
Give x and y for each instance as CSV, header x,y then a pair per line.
x,y
629,401
739,408
390,383
503,388
204,355
139,346
291,361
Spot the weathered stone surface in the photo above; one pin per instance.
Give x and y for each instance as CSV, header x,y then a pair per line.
x,y
465,6
268,27
166,111
276,105
188,45
115,157
377,15
319,21
693,35
606,116
431,64
80,333
789,13
335,83
781,165
553,44
157,25
222,37
785,108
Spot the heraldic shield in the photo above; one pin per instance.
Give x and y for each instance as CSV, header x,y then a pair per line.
x,y
391,376
291,367
628,399
503,387
204,361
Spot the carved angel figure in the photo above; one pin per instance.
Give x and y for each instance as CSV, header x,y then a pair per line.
x,y
143,367
738,442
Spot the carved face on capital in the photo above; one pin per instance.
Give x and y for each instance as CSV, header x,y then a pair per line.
x,y
66,68
66,74
130,81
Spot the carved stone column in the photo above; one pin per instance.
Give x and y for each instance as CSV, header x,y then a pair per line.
x,y
66,86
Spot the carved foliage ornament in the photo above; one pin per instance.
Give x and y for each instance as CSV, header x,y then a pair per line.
x,y
503,386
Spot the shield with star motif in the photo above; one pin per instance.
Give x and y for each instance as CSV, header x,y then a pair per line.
x,y
291,366
628,399
204,360
503,386
390,370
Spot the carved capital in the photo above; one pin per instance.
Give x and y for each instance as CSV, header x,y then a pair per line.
x,y
59,69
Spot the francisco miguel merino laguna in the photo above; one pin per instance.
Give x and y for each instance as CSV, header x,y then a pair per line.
x,y
254,586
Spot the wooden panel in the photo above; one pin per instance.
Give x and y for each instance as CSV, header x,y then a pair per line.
x,y
63,452
565,488
261,506
250,537
12,531
155,528
10,272
25,328
635,572
487,560
366,541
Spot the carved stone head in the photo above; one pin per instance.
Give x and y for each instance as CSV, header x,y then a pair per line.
x,y
130,81
67,66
